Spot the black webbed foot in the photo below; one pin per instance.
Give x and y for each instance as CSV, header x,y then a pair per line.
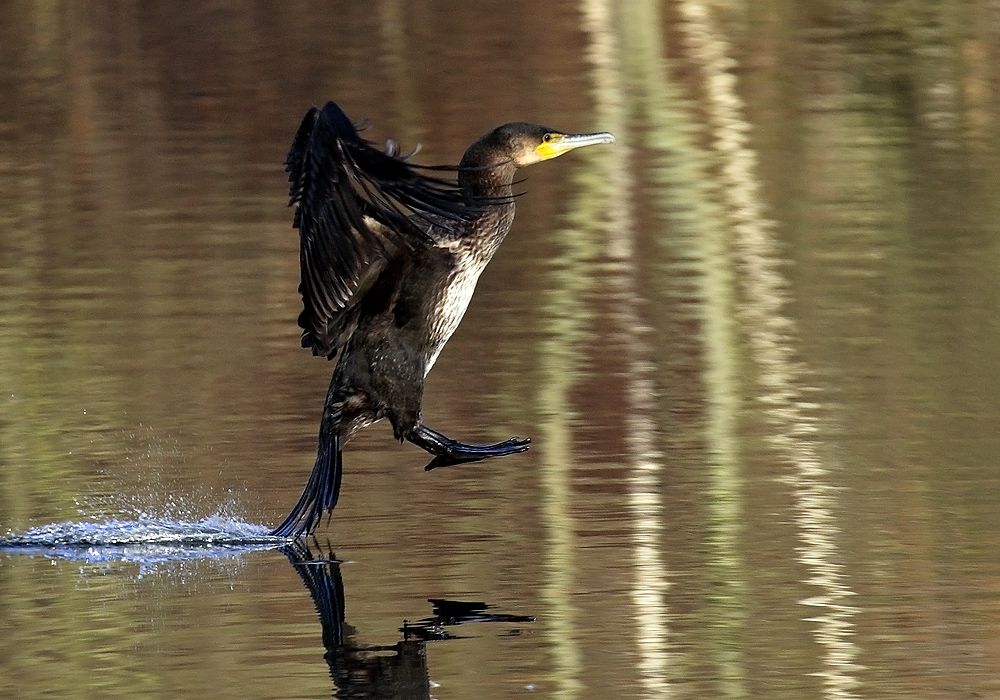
x,y
450,452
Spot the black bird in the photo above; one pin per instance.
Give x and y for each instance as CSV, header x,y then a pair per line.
x,y
390,254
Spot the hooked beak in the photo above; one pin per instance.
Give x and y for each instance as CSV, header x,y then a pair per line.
x,y
557,144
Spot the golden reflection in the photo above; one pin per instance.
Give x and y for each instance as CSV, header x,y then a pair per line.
x,y
556,358
650,585
565,317
771,336
395,56
977,94
559,361
29,433
47,47
698,227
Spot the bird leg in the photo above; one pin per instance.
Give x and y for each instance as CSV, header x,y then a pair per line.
x,y
449,452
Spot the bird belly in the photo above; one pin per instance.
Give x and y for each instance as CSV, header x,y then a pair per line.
x,y
450,307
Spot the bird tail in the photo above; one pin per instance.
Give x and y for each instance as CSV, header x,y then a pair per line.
x,y
320,494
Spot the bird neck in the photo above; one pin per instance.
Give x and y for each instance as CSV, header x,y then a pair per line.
x,y
487,170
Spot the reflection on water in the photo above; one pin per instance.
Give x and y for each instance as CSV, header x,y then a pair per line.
x,y
771,336
644,458
755,343
358,670
386,671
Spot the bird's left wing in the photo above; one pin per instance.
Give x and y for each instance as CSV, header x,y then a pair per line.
x,y
355,206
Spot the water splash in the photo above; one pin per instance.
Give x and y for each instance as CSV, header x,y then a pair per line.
x,y
145,541
146,521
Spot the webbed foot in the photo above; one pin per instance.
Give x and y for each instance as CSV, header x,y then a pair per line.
x,y
450,452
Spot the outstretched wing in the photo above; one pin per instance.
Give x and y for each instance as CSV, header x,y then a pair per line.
x,y
356,206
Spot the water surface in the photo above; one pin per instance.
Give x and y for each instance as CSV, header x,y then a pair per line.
x,y
755,345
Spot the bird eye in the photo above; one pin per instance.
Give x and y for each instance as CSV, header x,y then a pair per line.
x,y
547,138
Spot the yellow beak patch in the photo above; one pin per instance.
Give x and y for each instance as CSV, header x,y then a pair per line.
x,y
549,149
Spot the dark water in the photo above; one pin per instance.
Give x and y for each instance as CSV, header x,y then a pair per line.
x,y
755,344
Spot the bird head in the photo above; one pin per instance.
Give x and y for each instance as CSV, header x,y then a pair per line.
x,y
530,143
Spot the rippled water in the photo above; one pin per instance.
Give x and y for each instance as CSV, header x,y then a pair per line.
x,y
755,345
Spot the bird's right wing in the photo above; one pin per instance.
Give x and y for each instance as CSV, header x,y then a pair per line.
x,y
356,206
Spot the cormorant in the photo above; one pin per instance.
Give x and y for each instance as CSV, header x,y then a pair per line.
x,y
390,253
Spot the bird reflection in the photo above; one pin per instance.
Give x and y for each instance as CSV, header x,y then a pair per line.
x,y
362,671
